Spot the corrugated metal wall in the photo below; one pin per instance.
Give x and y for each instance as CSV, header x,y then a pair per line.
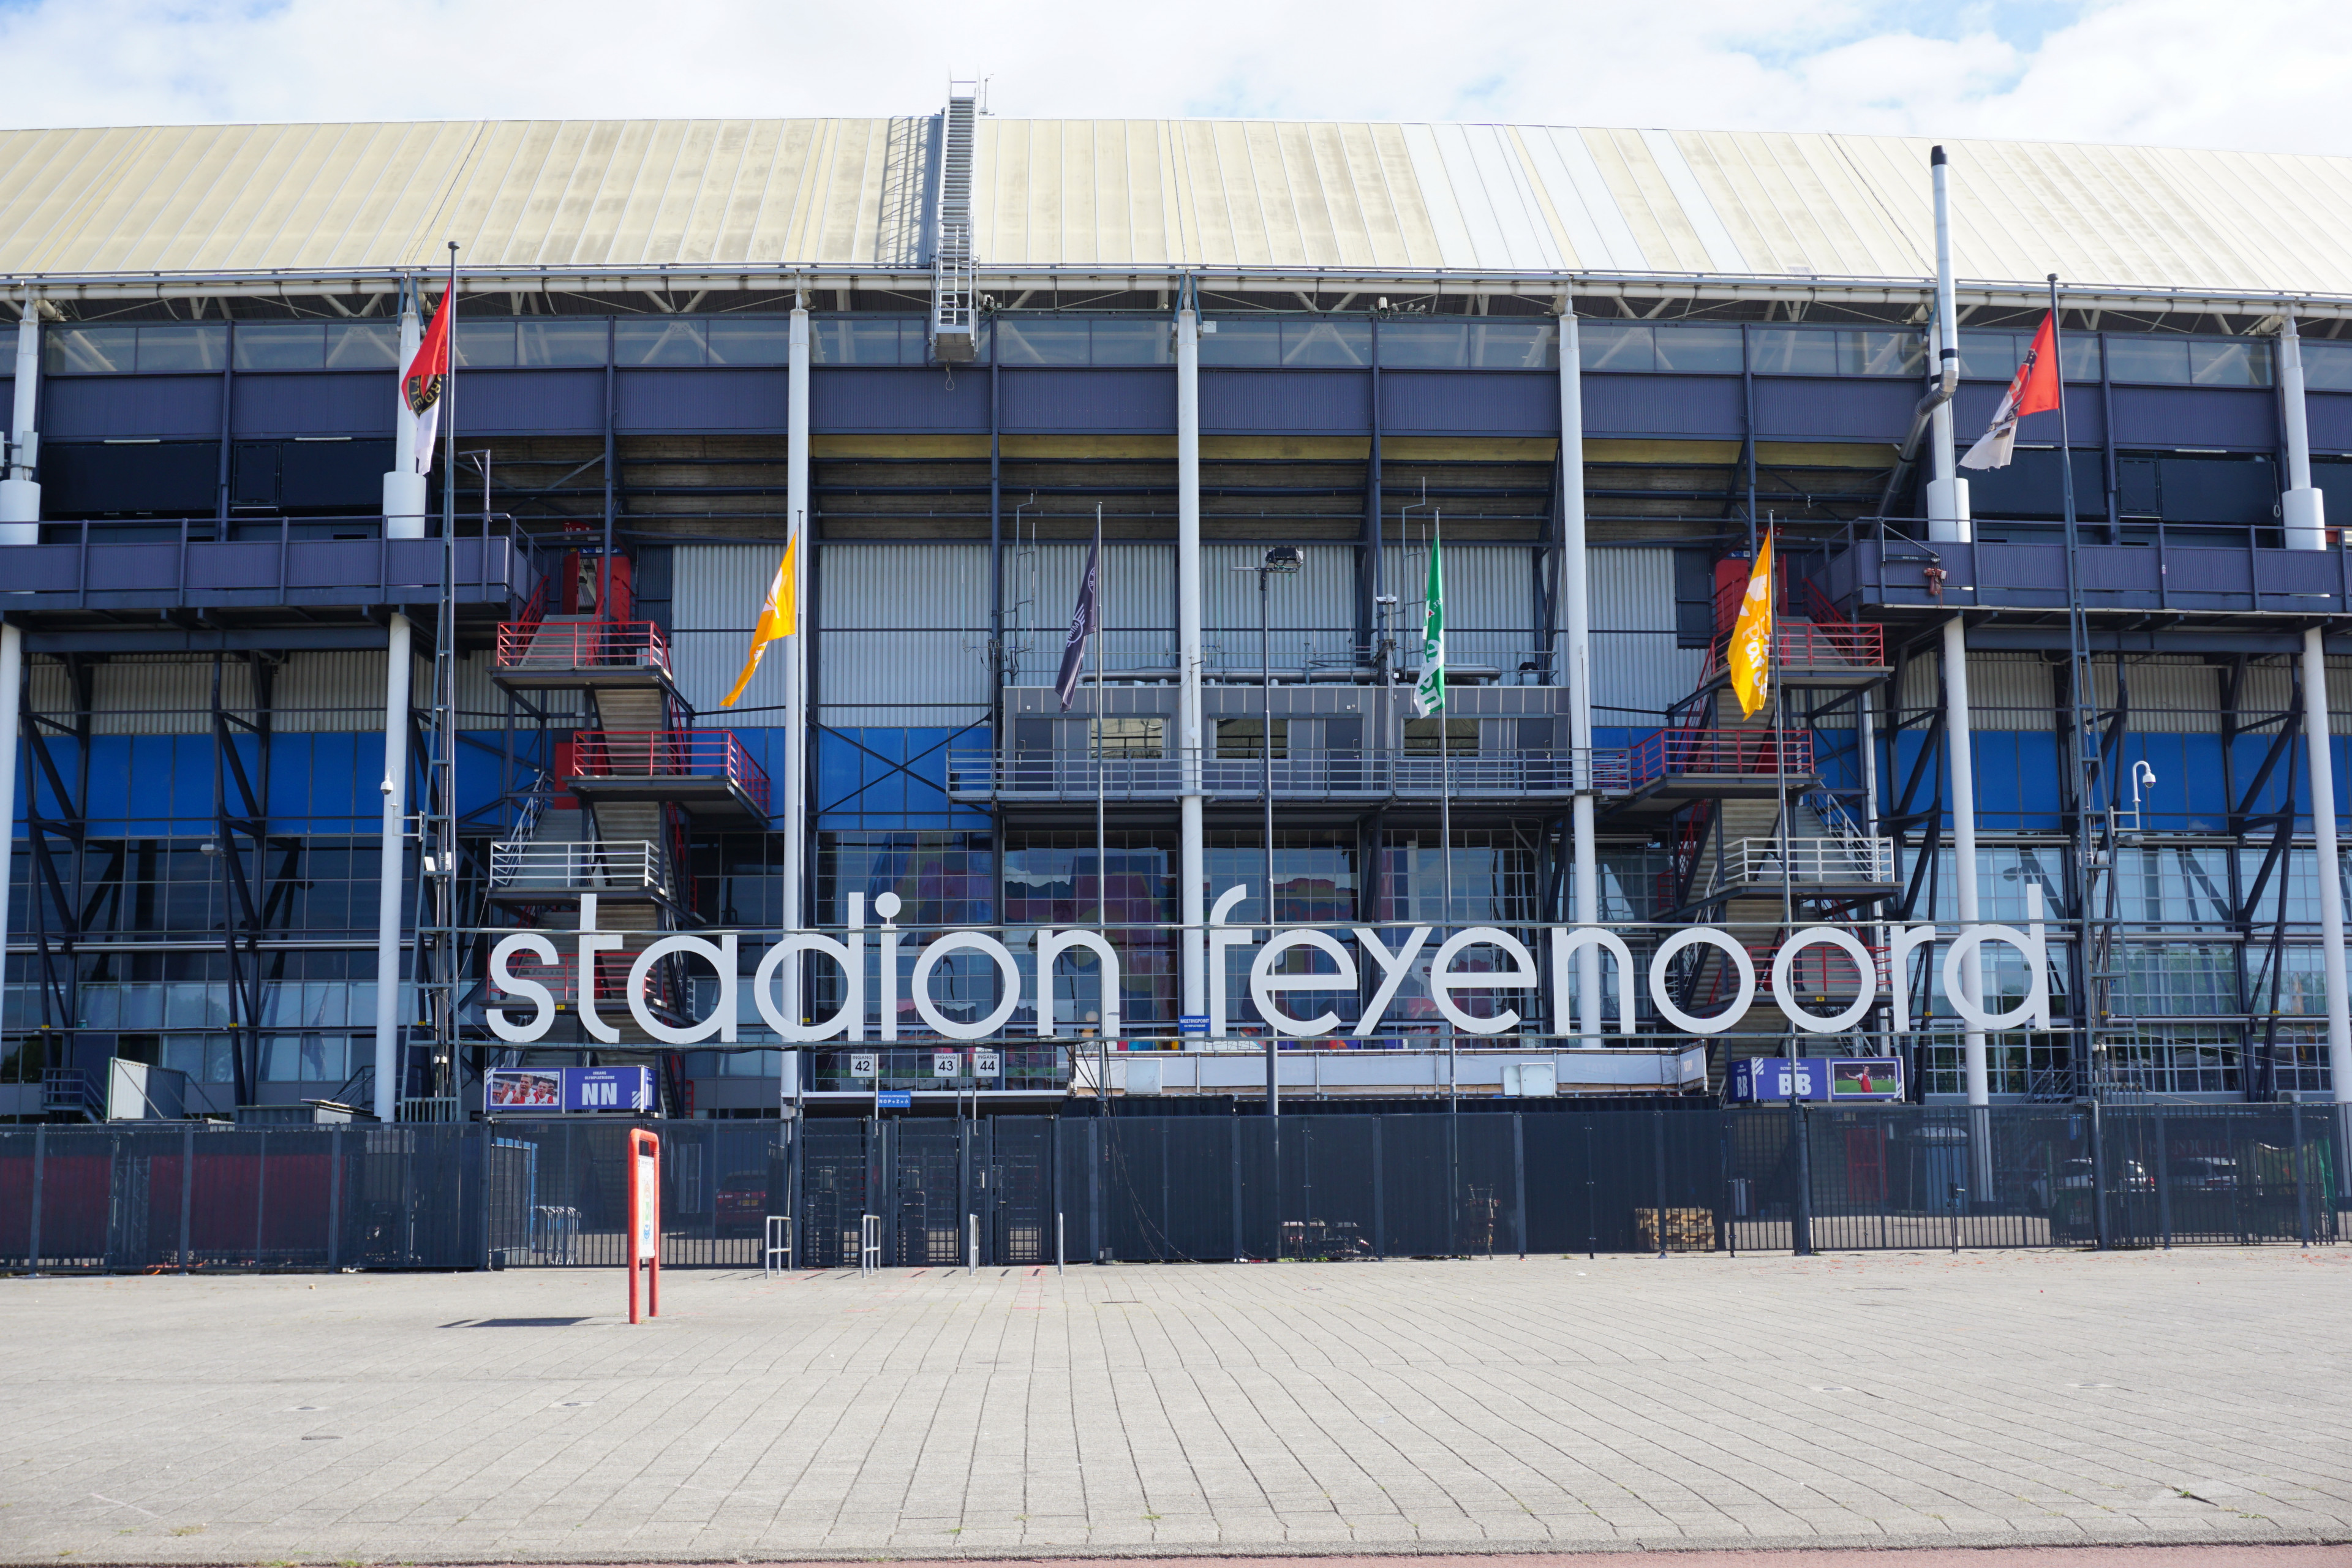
x,y
1041,588
1638,671
904,630
1311,611
1490,601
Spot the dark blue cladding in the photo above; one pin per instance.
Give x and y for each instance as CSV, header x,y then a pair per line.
x,y
324,404
89,409
1833,408
699,401
915,402
531,402
1287,402
1088,402
1689,407
1450,403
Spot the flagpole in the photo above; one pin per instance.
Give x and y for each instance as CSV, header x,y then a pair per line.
x,y
1102,902
445,693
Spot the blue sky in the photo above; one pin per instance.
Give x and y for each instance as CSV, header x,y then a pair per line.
x,y
2268,74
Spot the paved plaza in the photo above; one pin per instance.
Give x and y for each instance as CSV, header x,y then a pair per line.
x,y
1891,1399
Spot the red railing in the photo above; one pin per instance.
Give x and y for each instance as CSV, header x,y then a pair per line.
x,y
668,754
582,645
1811,645
1663,753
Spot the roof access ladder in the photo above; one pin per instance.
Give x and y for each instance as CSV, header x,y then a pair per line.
x,y
955,331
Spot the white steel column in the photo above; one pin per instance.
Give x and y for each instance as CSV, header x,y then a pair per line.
x,y
20,497
1575,666
404,518
796,482
1191,868
20,523
1948,493
1964,841
2305,514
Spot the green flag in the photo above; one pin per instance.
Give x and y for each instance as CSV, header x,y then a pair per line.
x,y
1429,691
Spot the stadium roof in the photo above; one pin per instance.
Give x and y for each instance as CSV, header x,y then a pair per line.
x,y
1112,202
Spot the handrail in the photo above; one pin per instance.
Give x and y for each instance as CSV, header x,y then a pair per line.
x,y
669,754
1664,754
582,645
578,863
979,771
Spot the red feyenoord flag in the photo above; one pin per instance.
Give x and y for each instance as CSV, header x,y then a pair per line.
x,y
2034,389
428,373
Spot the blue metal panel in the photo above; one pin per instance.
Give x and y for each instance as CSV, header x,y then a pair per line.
x,y
1468,403
2330,415
77,407
321,405
2244,418
1691,405
886,778
1085,401
699,400
1973,405
1253,402
1833,408
871,398
530,403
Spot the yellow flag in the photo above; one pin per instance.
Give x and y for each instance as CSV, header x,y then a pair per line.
x,y
778,618
1751,636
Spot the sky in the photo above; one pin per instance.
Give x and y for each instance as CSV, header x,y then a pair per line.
x,y
2271,74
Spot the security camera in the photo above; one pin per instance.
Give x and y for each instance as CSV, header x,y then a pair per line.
x,y
386,788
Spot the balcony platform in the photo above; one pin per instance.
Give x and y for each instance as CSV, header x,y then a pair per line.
x,y
581,653
1668,769
706,771
1895,578
564,872
1816,656
1052,779
97,576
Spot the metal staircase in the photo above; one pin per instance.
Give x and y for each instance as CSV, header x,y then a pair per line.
x,y
954,308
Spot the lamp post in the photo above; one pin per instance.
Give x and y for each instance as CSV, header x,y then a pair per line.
x,y
1284,559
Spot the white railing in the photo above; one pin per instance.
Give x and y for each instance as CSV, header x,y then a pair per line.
x,y
1316,776
1841,861
597,864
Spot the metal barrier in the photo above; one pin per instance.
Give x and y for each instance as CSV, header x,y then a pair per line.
x,y
934,1191
780,1246
529,646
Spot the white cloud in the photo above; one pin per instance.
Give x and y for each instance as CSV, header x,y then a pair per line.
x,y
2268,74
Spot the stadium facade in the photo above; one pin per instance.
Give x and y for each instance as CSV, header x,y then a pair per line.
x,y
298,733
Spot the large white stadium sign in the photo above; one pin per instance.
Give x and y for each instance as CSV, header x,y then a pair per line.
x,y
1388,954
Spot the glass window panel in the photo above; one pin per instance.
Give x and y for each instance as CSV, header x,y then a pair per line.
x,y
1436,345
1990,356
1708,349
575,342
1240,740
2080,354
184,1053
484,345
2238,361
1617,345
843,340
351,345
1134,342
142,1007
1883,354
2163,361
1793,351
281,1059
101,1006
281,345
1129,738
190,345
1041,340
323,1057
220,1060
751,340
1329,343
1243,343
2328,368
1514,346
93,350
658,341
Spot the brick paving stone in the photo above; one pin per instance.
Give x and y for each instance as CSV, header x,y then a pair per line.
x,y
1543,1404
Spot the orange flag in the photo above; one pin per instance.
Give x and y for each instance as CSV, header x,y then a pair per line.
x,y
778,618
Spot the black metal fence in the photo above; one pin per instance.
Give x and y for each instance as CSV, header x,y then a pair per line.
x,y
1014,1190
